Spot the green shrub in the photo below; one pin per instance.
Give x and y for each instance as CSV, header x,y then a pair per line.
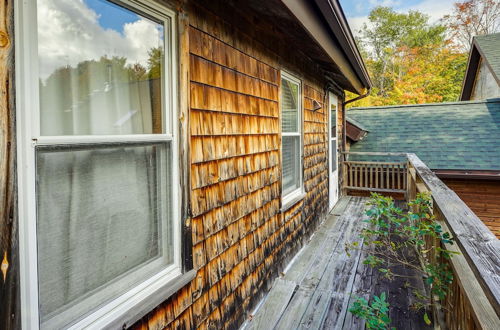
x,y
398,238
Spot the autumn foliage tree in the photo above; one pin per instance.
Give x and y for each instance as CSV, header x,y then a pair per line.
x,y
471,18
410,60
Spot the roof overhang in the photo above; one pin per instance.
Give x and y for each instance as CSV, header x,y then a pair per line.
x,y
325,21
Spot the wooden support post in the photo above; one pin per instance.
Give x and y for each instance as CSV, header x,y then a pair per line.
x,y
344,178
184,133
10,312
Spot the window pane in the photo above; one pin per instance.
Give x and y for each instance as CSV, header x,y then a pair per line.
x,y
333,119
289,106
334,154
291,163
100,69
103,224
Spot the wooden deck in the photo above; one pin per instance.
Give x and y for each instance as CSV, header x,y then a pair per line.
x,y
320,284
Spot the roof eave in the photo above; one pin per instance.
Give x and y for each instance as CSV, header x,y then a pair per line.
x,y
331,9
325,30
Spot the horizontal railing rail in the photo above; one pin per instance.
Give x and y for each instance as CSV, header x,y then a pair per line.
x,y
474,298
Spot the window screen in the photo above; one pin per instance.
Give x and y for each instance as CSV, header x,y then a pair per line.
x,y
291,139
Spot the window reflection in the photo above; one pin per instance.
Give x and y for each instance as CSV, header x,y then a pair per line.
x,y
100,69
333,120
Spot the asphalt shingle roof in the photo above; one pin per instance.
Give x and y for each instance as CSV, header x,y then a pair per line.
x,y
490,47
454,136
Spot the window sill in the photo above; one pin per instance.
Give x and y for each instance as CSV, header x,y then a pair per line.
x,y
147,305
291,200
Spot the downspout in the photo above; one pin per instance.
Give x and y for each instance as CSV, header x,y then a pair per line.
x,y
344,124
344,136
343,158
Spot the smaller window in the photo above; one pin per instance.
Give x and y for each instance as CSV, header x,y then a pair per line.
x,y
291,128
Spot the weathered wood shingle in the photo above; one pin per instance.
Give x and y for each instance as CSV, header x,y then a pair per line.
x,y
241,238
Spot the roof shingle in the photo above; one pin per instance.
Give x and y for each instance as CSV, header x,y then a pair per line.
x,y
454,136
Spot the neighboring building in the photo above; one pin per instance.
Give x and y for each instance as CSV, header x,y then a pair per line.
x,y
162,161
482,77
355,131
459,141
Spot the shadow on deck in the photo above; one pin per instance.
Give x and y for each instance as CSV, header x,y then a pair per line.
x,y
320,284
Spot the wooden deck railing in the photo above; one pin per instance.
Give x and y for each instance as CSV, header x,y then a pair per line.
x,y
375,176
474,298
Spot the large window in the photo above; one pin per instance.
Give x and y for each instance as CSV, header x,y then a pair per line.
x,y
291,125
100,227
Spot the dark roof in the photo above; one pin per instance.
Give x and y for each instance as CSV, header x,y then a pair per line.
x,y
458,136
486,47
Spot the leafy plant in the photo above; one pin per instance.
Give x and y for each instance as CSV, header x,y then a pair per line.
x,y
411,239
375,314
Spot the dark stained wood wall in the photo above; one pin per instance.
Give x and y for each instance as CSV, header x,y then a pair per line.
x,y
241,238
483,197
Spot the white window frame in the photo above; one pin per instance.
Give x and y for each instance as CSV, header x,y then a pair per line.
x,y
28,137
290,198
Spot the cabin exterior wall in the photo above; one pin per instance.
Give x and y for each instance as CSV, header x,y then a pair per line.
x,y
238,232
485,86
241,236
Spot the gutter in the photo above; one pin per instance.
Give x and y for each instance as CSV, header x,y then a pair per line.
x,y
362,96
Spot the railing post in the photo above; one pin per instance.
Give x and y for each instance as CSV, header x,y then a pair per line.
x,y
411,183
343,184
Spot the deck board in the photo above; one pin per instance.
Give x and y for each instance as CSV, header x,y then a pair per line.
x,y
274,305
318,287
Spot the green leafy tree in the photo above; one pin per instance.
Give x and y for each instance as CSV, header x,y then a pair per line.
x,y
409,60
154,62
388,33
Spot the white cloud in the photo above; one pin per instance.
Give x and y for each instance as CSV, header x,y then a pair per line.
x,y
356,23
436,9
384,3
69,32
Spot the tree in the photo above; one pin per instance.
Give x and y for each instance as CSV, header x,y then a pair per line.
x,y
154,62
471,18
387,33
409,60
390,30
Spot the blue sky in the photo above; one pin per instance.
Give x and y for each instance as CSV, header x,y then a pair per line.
x,y
72,31
111,16
357,10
